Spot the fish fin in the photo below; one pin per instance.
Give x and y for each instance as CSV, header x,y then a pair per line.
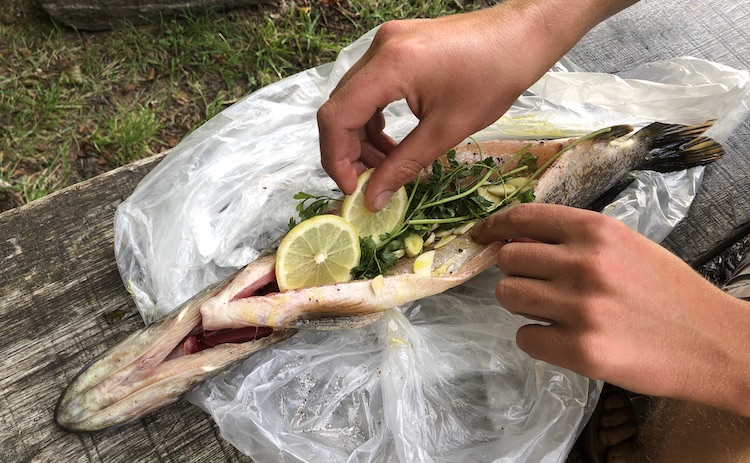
x,y
676,147
349,322
608,196
614,132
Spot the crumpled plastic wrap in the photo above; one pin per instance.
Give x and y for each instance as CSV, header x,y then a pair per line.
x,y
440,379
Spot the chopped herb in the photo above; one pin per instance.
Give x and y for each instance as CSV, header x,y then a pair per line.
x,y
528,161
318,206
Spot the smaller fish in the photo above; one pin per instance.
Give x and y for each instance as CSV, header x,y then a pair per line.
x,y
245,313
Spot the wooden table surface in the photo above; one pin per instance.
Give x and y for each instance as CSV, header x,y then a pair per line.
x,y
62,301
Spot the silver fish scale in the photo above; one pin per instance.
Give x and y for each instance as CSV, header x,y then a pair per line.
x,y
588,170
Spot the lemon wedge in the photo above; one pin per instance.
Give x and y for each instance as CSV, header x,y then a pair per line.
x,y
318,251
373,224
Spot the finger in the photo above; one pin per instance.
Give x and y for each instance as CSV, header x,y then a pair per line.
x,y
341,118
531,260
529,297
548,223
416,151
375,135
370,156
546,343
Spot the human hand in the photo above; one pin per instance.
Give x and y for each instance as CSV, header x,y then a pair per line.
x,y
620,308
458,74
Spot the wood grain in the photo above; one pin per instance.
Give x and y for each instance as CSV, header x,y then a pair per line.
x,y
62,301
718,31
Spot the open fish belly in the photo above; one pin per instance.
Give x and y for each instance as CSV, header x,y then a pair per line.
x,y
454,264
151,368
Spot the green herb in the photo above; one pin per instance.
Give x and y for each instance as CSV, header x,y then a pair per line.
x,y
528,161
306,209
375,260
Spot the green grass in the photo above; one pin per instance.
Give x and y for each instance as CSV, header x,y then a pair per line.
x,y
75,104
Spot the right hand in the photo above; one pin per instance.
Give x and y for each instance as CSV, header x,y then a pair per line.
x,y
619,307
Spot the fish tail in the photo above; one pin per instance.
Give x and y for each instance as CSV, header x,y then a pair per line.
x,y
674,147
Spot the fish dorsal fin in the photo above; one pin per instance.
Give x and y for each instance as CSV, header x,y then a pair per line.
x,y
614,132
676,147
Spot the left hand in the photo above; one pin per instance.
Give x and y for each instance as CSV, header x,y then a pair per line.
x,y
620,307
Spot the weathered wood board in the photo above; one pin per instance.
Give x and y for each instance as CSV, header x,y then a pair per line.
x,y
718,31
62,301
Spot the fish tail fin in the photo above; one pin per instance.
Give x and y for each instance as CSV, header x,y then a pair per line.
x,y
676,147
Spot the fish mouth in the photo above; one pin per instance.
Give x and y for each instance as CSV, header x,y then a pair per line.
x,y
155,366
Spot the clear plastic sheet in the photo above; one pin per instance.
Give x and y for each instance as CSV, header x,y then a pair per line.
x,y
440,379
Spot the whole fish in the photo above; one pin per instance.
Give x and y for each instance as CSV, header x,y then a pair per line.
x,y
245,313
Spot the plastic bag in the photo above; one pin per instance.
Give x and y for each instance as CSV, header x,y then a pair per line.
x,y
440,379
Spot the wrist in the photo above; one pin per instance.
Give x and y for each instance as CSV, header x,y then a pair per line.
x,y
729,385
550,28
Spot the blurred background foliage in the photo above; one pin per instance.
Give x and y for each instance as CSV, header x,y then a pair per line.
x,y
74,104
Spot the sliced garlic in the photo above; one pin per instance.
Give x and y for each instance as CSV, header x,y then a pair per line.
x,y
532,184
399,253
494,199
464,228
413,245
516,182
443,233
430,239
423,263
501,190
377,284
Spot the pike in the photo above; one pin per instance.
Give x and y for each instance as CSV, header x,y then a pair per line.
x,y
232,319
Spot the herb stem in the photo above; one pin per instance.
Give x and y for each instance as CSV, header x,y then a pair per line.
x,y
438,221
460,195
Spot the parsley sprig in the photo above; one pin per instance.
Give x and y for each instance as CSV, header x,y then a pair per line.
x,y
310,206
444,200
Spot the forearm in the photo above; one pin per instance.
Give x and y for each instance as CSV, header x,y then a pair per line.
x,y
547,28
718,372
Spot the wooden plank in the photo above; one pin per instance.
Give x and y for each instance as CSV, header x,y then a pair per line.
x,y
718,31
62,302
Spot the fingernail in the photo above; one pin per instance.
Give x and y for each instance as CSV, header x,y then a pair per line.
x,y
381,199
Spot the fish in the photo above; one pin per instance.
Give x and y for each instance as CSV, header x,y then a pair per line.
x,y
246,313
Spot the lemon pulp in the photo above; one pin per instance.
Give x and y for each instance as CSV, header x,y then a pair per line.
x,y
373,224
318,251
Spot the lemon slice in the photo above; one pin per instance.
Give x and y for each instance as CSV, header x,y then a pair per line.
x,y
373,224
318,251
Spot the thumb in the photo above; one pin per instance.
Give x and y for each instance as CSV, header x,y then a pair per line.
x,y
415,152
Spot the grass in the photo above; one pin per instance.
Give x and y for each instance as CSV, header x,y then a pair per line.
x,y
74,104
